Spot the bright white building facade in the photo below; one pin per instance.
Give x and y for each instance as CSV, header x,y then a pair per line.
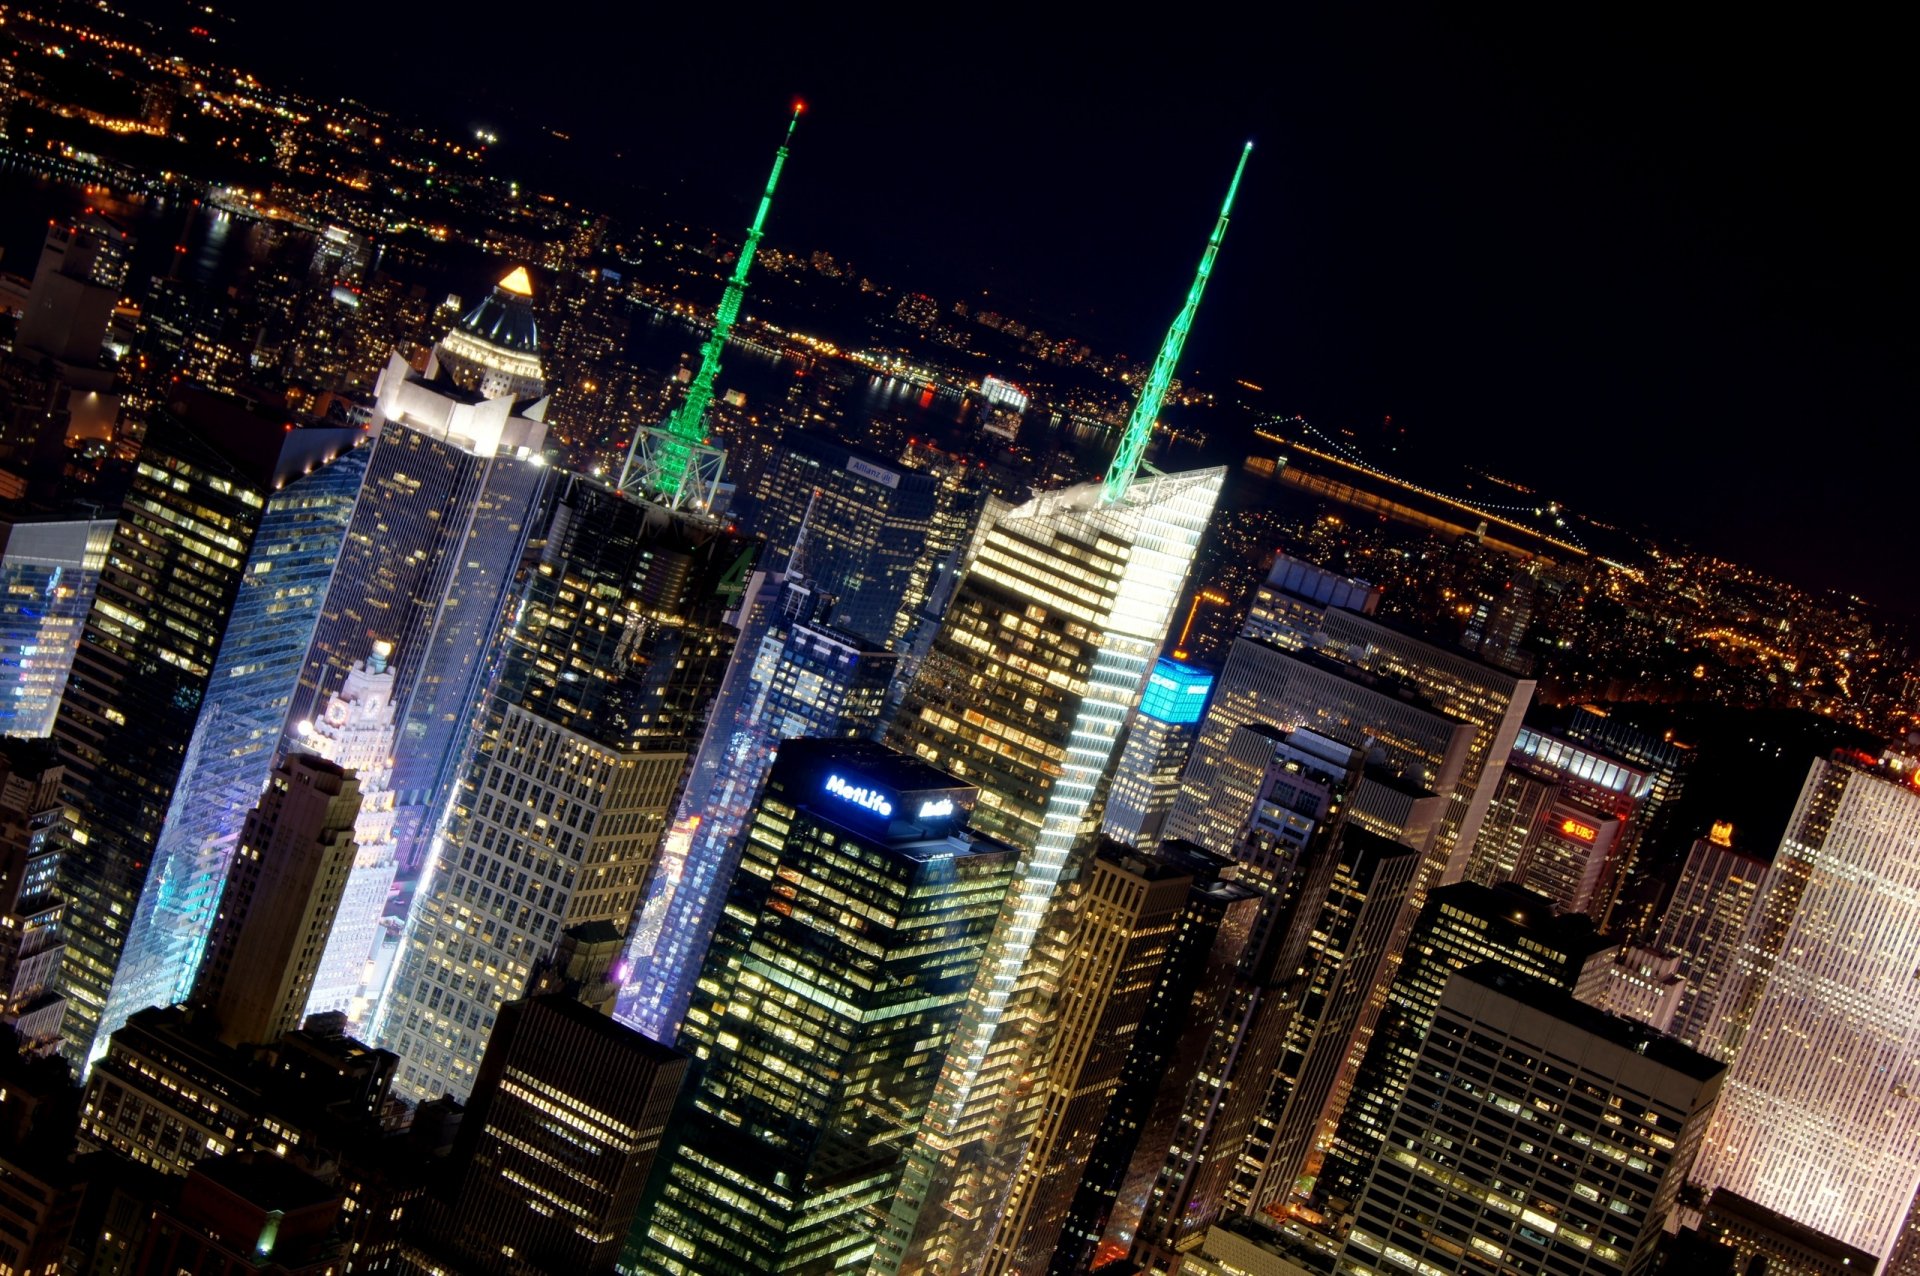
x,y
1820,1119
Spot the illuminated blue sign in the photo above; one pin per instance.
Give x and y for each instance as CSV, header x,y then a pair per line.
x,y
1176,693
932,810
861,796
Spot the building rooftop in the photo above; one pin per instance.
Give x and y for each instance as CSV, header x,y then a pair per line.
x,y
1630,1034
505,317
268,1182
876,762
1731,1205
1302,1252
605,1026
1380,684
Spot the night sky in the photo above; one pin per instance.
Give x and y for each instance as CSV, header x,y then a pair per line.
x,y
1663,272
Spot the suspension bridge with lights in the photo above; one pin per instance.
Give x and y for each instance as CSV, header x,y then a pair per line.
x,y
1550,526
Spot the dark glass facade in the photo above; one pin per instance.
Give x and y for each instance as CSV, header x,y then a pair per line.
x,y
232,750
866,523
200,488
615,648
823,1012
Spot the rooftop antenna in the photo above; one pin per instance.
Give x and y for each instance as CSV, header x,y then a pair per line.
x,y
1153,391
674,464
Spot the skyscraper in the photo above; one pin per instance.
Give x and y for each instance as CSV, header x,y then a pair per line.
x,y
1126,928
1819,1120
205,473
865,522
688,882
616,648
1305,607
1159,738
1295,818
48,571
1664,760
494,350
565,1124
1044,651
1638,983
414,546
454,488
825,1006
1564,821
1045,648
1536,1133
1193,985
282,891
1288,606
1263,684
1705,924
1492,700
1460,926
236,735
74,292
356,733
31,838
1349,948
801,679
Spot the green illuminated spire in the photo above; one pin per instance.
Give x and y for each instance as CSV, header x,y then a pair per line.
x,y
1133,444
687,428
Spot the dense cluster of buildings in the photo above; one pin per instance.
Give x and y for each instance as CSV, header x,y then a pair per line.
x,y
435,840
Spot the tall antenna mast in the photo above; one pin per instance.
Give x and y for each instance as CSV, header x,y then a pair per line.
x,y
1153,392
677,466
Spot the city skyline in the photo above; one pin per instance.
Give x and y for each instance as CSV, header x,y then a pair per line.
x,y
565,723
1715,242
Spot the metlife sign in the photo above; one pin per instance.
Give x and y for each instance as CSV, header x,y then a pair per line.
x,y
866,469
861,796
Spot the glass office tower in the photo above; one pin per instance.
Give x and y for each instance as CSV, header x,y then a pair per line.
x,y
865,521
1044,652
858,918
201,486
48,571
804,680
232,748
1147,781
615,650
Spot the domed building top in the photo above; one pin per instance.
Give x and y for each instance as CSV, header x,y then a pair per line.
x,y
505,318
495,348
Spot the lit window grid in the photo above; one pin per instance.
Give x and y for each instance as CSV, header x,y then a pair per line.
x,y
559,831
1161,519
237,735
824,1009
1818,1121
1504,1155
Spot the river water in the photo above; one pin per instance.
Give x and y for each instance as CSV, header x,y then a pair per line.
x,y
206,245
